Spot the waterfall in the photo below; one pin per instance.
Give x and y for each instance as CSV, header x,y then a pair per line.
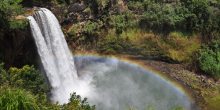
x,y
55,56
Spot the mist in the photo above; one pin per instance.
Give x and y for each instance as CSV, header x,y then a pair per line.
x,y
116,85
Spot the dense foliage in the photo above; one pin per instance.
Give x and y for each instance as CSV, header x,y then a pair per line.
x,y
17,100
123,21
209,59
9,9
90,27
29,79
191,15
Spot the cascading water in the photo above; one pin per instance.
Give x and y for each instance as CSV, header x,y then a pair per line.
x,y
108,83
50,42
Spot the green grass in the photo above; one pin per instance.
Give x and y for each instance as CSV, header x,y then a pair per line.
x,y
213,103
177,46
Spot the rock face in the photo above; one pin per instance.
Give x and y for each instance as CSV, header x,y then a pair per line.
x,y
20,17
76,8
18,48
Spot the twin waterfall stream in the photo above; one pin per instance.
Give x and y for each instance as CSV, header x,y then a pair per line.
x,y
51,43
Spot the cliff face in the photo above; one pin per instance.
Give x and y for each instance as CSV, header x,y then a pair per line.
x,y
17,48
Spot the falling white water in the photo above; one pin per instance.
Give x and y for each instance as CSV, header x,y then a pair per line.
x,y
51,43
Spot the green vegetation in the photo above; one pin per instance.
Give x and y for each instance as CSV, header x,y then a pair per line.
x,y
90,27
214,101
122,22
209,59
193,16
17,100
9,9
75,102
133,4
27,78
87,10
73,31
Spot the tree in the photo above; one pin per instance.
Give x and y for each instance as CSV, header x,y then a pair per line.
x,y
28,78
8,10
200,15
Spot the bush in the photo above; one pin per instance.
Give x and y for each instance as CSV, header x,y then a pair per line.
x,y
76,103
90,27
209,59
17,100
123,22
73,31
3,74
159,18
192,16
28,78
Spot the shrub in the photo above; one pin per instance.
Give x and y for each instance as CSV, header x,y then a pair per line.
x,y
90,27
76,103
28,78
135,5
3,74
192,16
73,31
159,18
87,10
123,22
209,59
17,100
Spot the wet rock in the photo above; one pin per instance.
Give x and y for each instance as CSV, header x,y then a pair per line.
x,y
73,16
76,8
30,12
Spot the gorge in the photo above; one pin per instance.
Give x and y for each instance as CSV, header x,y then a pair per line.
x,y
107,83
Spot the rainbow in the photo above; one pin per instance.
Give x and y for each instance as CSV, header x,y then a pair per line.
x,y
181,88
